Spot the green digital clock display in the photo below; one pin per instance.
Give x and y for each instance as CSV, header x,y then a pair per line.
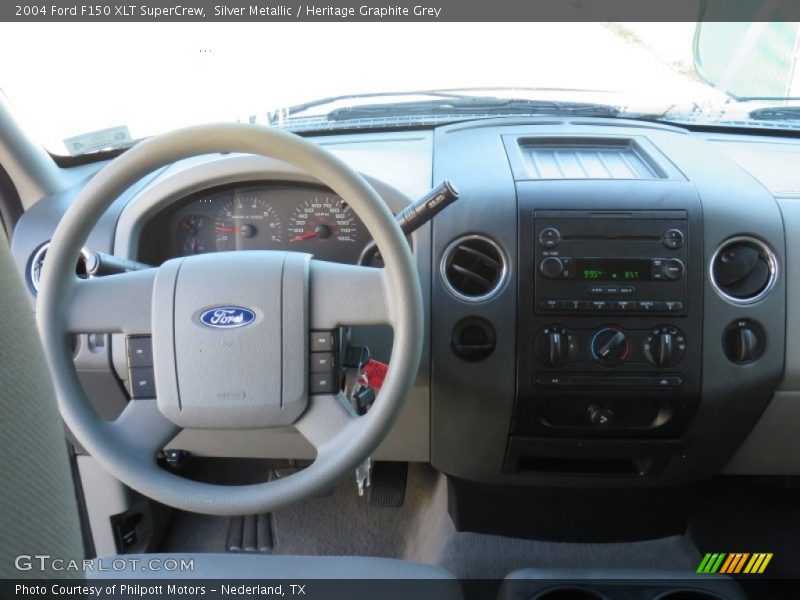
x,y
612,269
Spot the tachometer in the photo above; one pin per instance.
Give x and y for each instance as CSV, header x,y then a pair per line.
x,y
247,222
322,219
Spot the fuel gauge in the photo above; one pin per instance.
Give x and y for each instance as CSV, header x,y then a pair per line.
x,y
190,234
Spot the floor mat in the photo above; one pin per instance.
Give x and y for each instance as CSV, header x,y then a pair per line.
x,y
342,523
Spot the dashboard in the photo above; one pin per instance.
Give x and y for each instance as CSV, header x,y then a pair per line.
x,y
609,302
257,216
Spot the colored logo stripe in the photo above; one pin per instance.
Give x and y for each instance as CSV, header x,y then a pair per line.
x,y
711,563
734,563
758,563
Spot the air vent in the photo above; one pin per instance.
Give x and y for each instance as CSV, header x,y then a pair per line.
x,y
474,268
35,269
473,339
744,270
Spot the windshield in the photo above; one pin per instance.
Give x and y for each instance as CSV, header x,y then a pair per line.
x,y
99,86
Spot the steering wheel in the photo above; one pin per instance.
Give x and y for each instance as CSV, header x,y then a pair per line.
x,y
253,371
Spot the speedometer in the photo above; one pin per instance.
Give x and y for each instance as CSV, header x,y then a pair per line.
x,y
247,222
325,218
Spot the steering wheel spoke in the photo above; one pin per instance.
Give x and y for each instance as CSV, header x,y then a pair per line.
x,y
111,304
326,418
347,295
142,428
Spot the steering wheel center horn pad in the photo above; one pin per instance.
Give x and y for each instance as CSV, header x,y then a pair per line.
x,y
230,339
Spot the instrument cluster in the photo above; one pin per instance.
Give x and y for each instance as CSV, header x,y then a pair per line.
x,y
258,217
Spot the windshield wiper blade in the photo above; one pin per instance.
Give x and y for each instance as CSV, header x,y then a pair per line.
x,y
289,111
776,113
474,105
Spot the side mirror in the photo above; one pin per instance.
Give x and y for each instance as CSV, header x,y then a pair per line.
x,y
748,59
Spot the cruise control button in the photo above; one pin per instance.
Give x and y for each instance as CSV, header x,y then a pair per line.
x,y
321,341
322,362
142,382
140,351
323,383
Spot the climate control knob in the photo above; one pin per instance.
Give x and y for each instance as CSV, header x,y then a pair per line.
x,y
665,346
551,267
554,345
610,345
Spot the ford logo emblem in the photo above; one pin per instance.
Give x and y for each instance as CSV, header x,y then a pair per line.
x,y
227,317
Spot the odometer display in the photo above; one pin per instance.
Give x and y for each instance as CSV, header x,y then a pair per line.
x,y
612,269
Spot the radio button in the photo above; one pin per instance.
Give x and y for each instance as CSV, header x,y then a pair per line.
x,y
626,290
625,305
576,304
646,305
670,306
549,237
673,239
599,304
550,304
597,290
668,381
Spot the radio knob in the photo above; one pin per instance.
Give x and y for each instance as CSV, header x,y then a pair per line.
x,y
551,267
610,345
672,269
549,237
554,345
665,346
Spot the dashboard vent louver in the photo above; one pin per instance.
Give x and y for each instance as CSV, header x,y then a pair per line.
x,y
37,260
744,270
474,268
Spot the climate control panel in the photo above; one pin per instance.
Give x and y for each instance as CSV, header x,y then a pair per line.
x,y
609,346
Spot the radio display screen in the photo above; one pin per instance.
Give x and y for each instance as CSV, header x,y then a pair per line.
x,y
612,269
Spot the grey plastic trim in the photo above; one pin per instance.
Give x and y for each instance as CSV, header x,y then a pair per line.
x,y
30,167
772,261
449,286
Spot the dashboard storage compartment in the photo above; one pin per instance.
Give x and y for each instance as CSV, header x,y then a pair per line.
x,y
590,457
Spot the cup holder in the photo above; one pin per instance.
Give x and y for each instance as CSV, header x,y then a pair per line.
x,y
689,595
569,593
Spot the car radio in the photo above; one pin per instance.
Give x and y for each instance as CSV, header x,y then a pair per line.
x,y
612,263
